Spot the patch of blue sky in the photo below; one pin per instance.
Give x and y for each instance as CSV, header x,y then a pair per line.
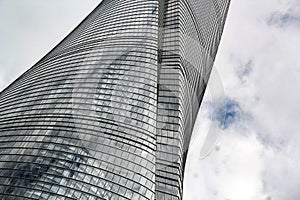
x,y
227,114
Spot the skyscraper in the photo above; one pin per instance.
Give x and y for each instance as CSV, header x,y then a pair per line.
x,y
109,112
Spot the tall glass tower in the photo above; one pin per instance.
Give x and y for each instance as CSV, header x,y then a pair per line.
x,y
109,112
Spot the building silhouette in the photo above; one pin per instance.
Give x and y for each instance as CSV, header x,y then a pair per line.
x,y
108,113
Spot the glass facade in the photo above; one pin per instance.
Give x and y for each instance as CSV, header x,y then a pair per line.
x,y
108,113
190,33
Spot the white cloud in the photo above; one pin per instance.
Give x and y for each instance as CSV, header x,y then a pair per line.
x,y
259,158
232,170
31,28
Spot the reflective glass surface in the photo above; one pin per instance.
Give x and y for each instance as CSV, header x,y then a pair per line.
x,y
190,34
108,113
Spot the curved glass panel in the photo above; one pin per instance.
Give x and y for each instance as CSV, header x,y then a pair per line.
x,y
109,112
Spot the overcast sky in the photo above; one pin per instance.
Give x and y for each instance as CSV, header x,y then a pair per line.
x,y
257,156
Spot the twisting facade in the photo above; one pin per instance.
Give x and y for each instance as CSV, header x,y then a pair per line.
x,y
190,33
109,112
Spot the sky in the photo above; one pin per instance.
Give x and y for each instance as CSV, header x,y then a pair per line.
x,y
251,107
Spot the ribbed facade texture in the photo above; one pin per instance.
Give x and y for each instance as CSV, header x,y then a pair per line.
x,y
109,112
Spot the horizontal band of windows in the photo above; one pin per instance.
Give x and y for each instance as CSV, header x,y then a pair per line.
x,y
114,61
138,18
71,81
12,95
80,112
138,160
120,142
96,49
171,180
49,191
80,116
79,170
111,146
93,145
133,31
43,92
135,177
127,63
129,10
80,130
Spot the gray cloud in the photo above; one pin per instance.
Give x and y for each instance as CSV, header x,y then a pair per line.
x,y
284,19
245,70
